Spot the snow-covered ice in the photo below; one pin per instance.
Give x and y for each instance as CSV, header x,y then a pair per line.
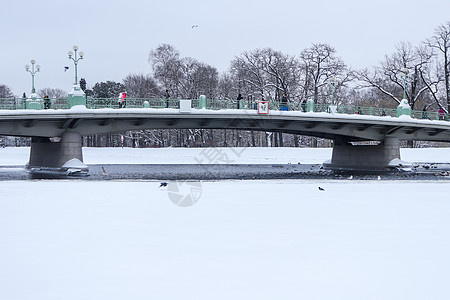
x,y
279,239
242,240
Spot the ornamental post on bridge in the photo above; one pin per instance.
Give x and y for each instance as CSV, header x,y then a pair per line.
x,y
310,105
33,102
76,95
333,83
202,101
404,109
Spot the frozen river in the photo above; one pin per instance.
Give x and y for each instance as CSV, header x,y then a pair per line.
x,y
237,239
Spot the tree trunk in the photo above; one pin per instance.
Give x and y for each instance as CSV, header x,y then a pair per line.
x,y
225,138
269,139
447,77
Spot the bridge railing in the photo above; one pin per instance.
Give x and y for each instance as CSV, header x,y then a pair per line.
x,y
35,103
98,103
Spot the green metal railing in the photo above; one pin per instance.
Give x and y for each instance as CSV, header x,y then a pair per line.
x,y
99,103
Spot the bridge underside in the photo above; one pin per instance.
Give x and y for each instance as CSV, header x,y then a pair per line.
x,y
364,157
45,153
334,129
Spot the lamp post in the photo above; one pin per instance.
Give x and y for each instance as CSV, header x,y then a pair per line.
x,y
75,60
405,77
332,84
76,96
32,72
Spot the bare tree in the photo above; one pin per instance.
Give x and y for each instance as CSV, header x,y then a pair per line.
x,y
166,64
5,91
403,74
248,70
441,42
197,78
320,64
267,71
141,86
52,93
226,88
8,101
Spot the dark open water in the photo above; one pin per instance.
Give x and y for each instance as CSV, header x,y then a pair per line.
x,y
239,171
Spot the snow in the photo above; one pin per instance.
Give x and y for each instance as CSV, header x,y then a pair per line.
x,y
279,239
79,108
398,162
242,240
404,104
74,163
77,91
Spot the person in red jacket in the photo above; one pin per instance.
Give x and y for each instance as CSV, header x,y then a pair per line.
x,y
122,99
441,113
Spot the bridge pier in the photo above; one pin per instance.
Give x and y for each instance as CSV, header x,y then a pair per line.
x,y
53,155
364,157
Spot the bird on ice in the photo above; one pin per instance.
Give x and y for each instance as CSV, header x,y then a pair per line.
x,y
321,189
66,68
163,184
351,177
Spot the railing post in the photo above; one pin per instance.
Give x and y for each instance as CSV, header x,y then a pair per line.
x,y
202,101
76,97
403,109
33,102
310,105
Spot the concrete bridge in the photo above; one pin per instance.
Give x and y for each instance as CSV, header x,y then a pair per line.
x,y
343,128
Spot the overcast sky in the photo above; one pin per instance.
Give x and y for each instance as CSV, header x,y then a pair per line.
x,y
117,36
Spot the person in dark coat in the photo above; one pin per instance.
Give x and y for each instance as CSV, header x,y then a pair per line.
x,y
284,102
47,103
424,112
167,96
239,98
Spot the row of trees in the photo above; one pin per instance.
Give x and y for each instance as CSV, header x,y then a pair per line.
x,y
419,73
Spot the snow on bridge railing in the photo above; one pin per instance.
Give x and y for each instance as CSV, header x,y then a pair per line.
x,y
98,103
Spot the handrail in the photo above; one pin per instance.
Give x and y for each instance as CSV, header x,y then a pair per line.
x,y
213,104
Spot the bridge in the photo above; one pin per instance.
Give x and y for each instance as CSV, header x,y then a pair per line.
x,y
342,124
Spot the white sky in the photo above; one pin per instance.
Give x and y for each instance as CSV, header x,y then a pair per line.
x,y
117,36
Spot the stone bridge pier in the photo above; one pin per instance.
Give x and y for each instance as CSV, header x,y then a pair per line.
x,y
45,153
364,157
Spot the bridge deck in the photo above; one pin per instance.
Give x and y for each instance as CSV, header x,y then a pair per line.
x,y
351,127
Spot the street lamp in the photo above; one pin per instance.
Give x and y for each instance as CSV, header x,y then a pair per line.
x,y
75,60
406,76
32,72
332,84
